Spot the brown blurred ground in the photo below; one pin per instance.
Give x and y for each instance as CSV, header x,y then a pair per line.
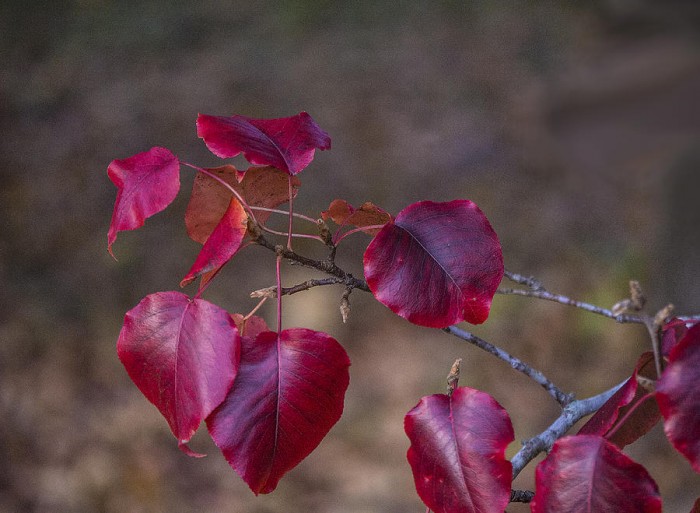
x,y
576,129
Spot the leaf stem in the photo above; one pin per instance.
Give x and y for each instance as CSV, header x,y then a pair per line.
x,y
336,239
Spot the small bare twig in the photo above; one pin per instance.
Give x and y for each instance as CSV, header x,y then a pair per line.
x,y
562,398
558,298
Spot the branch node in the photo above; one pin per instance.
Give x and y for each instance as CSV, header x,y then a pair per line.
x,y
662,315
268,292
345,304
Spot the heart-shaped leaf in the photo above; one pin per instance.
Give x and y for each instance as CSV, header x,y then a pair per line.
x,y
288,144
585,473
457,452
222,244
183,355
260,187
147,183
437,264
288,393
679,401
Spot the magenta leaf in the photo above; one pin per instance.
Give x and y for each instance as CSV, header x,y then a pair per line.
x,y
147,183
606,416
182,354
437,264
585,473
288,393
457,452
288,144
223,242
678,398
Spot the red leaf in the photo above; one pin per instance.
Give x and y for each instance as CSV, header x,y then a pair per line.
x,y
673,331
342,213
679,401
147,183
437,264
222,244
457,452
585,473
612,416
260,187
288,144
182,354
288,393
696,506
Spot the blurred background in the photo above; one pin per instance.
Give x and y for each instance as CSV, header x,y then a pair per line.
x,y
576,129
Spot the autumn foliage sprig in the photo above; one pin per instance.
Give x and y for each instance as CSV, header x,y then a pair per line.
x,y
269,397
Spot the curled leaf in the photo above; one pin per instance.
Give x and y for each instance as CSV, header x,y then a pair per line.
x,y
147,183
676,394
288,144
222,244
369,214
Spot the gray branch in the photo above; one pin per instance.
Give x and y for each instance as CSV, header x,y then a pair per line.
x,y
570,415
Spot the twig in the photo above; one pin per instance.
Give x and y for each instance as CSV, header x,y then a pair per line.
x,y
528,281
570,415
327,266
562,398
558,298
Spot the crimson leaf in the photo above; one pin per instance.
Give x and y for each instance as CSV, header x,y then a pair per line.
x,y
260,187
288,144
222,244
183,355
612,419
586,474
288,393
676,393
457,452
147,183
437,264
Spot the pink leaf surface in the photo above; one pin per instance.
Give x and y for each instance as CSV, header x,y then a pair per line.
x,y
587,474
147,183
678,397
457,452
369,214
288,144
222,244
288,393
182,354
260,187
437,264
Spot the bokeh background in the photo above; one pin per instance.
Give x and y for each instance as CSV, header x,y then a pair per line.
x,y
574,126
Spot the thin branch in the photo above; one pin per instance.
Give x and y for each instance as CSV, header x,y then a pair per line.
x,y
288,291
327,266
528,281
570,415
564,300
562,398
